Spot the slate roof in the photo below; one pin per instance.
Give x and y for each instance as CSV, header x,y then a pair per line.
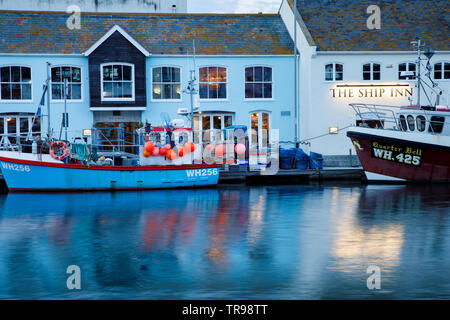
x,y
340,25
46,32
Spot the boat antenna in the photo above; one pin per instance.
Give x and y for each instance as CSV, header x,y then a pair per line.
x,y
419,45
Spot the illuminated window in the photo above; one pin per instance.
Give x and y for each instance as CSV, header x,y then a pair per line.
x,y
117,82
406,71
371,71
213,83
334,72
258,83
73,75
442,71
166,83
15,83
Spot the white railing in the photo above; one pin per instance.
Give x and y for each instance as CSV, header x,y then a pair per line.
x,y
395,118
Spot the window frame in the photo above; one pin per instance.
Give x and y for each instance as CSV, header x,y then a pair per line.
x,y
226,83
371,72
68,82
334,71
442,63
151,83
133,82
263,82
31,100
407,69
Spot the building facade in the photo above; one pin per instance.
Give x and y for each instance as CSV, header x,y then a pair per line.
x,y
123,70
144,6
344,58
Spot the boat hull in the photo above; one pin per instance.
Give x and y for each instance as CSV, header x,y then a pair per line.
x,y
28,176
394,156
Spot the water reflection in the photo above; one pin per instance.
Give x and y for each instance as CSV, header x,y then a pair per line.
x,y
281,242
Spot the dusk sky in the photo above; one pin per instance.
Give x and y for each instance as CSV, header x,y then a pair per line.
x,y
233,6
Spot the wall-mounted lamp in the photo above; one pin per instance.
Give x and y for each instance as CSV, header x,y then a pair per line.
x,y
334,130
87,132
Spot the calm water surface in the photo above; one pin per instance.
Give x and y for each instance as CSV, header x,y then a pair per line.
x,y
280,242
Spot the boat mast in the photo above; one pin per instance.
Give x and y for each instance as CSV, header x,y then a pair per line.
x,y
48,100
418,43
191,88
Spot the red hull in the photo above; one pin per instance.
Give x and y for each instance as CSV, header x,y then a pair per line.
x,y
402,159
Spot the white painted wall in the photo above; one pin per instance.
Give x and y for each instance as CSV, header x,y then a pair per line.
x,y
144,6
318,110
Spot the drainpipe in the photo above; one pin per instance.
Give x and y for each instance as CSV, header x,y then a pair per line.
x,y
295,76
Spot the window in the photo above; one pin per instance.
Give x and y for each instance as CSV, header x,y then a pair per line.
x,y
15,83
411,123
436,124
371,71
259,124
421,123
442,71
205,122
407,71
258,83
73,75
334,72
213,83
166,83
403,125
117,82
15,127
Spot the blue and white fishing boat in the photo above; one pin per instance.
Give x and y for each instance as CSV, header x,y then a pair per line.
x,y
76,167
25,172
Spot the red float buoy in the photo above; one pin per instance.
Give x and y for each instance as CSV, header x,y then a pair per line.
x,y
155,151
149,147
181,151
146,154
162,151
219,150
189,147
171,155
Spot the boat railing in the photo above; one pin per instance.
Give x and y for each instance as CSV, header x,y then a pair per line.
x,y
393,118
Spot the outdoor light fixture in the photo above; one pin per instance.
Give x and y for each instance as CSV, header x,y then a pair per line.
x,y
334,130
87,132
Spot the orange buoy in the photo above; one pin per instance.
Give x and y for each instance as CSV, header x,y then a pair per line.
x,y
181,151
219,150
171,155
162,151
189,147
155,151
146,154
149,147
208,146
168,146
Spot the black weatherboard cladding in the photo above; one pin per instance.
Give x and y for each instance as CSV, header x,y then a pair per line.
x,y
117,49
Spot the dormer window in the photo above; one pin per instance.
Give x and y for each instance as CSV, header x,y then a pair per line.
x,y
117,82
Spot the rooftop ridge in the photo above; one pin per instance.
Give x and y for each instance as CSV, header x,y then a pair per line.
x,y
137,14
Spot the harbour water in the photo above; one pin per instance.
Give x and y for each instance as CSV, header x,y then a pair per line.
x,y
233,242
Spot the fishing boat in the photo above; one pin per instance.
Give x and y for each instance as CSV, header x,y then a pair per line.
x,y
409,143
66,169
